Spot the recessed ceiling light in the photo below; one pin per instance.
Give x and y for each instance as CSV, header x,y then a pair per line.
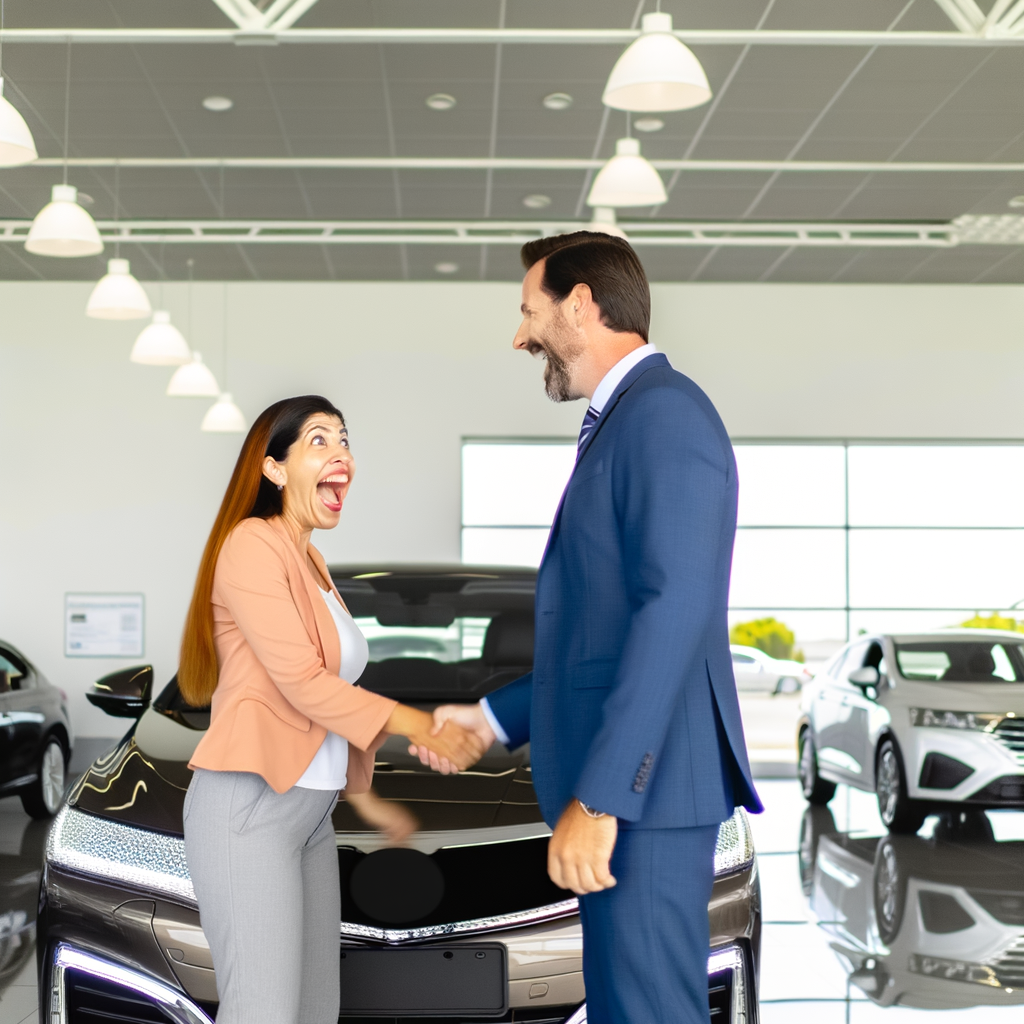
x,y
440,101
446,268
648,124
85,200
536,202
218,104
1016,201
558,101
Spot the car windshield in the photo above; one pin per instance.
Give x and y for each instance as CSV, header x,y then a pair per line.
x,y
462,640
962,661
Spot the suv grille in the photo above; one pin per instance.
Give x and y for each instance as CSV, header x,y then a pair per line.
x,y
1010,732
1009,965
91,1000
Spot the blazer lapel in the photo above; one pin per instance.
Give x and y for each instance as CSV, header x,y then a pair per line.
x,y
654,359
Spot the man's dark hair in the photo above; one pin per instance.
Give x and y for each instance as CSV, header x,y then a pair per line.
x,y
608,265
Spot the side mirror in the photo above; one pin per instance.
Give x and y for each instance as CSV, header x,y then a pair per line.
x,y
125,693
866,679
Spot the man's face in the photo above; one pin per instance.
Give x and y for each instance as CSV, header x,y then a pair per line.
x,y
547,334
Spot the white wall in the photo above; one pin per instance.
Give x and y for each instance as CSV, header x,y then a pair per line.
x,y
110,486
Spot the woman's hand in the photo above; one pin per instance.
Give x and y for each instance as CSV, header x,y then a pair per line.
x,y
396,821
454,747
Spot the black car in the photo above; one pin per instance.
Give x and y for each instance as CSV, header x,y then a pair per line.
x,y
35,735
461,924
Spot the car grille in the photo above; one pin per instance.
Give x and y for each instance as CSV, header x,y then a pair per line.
x,y
1009,965
1010,732
531,1015
92,1000
720,996
1007,907
1008,790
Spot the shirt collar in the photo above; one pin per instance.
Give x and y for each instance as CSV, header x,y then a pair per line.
x,y
613,377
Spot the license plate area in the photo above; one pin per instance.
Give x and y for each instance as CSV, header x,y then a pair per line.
x,y
424,981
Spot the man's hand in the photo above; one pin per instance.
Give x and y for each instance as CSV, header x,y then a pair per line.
x,y
469,717
449,748
580,851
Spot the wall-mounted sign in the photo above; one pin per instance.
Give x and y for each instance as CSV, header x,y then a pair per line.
x,y
103,625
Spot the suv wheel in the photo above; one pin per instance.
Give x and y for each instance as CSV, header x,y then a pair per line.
x,y
816,790
899,813
42,798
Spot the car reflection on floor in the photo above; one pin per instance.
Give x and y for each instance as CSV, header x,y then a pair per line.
x,y
21,857
931,922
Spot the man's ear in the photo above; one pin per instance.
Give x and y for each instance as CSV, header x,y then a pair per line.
x,y
581,304
274,471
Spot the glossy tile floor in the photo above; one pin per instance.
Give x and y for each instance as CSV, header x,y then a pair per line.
x,y
858,927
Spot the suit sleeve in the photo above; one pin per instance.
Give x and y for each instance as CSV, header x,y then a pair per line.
x,y
670,488
252,583
511,707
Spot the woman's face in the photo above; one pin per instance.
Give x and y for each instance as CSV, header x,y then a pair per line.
x,y
316,474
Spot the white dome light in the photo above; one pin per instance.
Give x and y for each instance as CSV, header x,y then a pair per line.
x,y
16,143
657,72
627,179
604,221
118,296
193,380
224,417
63,228
160,343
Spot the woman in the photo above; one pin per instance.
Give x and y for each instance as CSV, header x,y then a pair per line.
x,y
270,646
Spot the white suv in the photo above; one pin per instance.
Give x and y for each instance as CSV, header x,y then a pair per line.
x,y
924,720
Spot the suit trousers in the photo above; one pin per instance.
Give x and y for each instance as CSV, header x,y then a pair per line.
x,y
646,940
265,870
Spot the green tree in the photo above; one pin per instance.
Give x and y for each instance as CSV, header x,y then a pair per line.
x,y
993,621
768,635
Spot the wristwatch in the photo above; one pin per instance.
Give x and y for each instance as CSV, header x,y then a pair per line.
x,y
589,811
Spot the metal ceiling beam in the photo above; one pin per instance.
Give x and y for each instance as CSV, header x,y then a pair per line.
x,y
506,36
484,232
427,163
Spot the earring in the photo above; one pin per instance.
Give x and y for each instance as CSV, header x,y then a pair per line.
x,y
280,487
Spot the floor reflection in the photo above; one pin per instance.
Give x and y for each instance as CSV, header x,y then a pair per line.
x,y
21,855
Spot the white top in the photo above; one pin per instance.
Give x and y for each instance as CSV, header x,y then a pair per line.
x,y
329,767
609,382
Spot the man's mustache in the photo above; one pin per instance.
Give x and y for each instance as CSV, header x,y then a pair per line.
x,y
536,349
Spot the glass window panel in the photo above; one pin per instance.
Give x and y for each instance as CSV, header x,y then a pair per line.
x,y
818,634
937,485
513,484
788,568
791,485
981,569
911,621
481,546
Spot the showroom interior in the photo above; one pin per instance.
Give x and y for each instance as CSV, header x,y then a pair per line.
x,y
288,197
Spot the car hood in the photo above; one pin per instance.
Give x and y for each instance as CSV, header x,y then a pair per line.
x,y
142,781
992,697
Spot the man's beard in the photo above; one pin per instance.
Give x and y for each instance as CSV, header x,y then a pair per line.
x,y
562,352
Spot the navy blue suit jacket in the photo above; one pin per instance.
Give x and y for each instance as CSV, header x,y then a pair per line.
x,y
631,705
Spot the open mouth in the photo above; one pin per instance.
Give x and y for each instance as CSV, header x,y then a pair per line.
x,y
331,490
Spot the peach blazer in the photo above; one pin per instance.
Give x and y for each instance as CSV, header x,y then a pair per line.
x,y
278,690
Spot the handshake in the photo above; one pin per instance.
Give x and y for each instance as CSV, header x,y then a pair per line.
x,y
453,738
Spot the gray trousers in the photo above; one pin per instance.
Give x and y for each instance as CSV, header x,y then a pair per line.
x,y
265,870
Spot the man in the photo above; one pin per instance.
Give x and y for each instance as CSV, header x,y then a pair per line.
x,y
636,739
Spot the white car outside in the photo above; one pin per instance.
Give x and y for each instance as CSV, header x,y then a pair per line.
x,y
926,721
757,672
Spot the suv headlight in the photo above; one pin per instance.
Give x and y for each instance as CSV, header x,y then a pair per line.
x,y
971,721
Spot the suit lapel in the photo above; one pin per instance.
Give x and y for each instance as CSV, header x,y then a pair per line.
x,y
654,359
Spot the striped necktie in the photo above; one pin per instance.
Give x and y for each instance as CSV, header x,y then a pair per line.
x,y
588,424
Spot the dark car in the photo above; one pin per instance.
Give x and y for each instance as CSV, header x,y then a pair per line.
x,y
462,923
35,735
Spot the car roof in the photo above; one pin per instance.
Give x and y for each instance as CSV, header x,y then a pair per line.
x,y
439,570
953,634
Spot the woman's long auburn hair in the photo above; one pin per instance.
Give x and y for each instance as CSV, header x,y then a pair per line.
x,y
249,495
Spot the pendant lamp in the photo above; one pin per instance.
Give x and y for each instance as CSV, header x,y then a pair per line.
x,y
657,72
193,380
627,179
604,221
63,228
224,417
16,143
160,343
118,296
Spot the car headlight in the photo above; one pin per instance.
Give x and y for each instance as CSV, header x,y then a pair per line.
x,y
970,721
734,849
